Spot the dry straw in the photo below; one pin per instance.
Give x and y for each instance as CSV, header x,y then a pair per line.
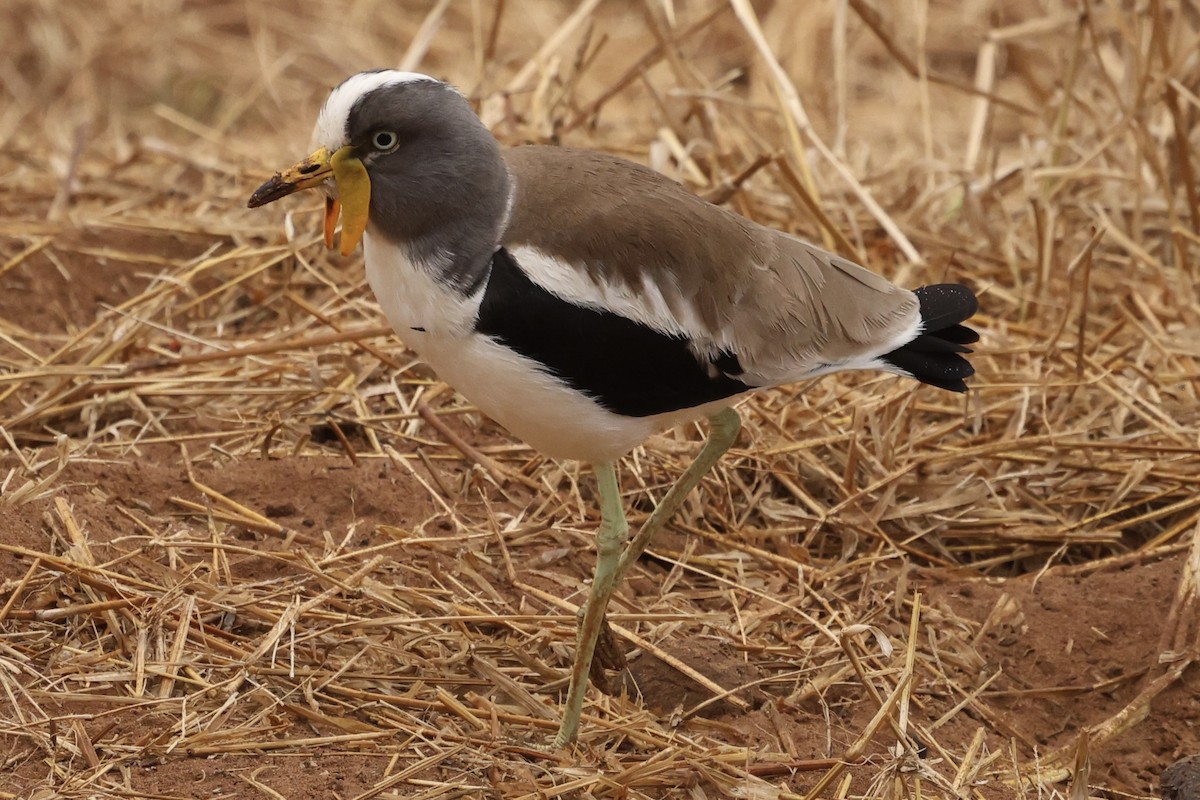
x,y
168,362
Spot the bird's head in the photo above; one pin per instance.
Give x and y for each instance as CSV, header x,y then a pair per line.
x,y
400,150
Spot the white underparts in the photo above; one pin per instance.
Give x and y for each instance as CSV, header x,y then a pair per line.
x,y
438,322
512,389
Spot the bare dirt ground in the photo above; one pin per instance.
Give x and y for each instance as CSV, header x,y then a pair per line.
x,y
249,546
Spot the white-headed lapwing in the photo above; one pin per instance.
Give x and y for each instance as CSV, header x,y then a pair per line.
x,y
586,302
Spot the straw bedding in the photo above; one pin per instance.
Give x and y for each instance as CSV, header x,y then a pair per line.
x,y
249,545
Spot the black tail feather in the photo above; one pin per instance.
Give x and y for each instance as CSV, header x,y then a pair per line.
x,y
935,356
960,334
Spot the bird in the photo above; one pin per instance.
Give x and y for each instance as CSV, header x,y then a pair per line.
x,y
586,302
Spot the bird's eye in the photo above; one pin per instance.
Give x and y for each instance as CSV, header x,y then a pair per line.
x,y
384,140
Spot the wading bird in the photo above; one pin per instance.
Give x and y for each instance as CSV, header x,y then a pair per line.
x,y
585,302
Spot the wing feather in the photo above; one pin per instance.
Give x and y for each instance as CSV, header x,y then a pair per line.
x,y
600,230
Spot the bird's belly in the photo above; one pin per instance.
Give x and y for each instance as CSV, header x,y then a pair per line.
x,y
438,324
535,407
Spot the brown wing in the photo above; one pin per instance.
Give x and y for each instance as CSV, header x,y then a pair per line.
x,y
784,307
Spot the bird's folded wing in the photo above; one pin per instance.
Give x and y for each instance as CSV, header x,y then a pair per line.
x,y
616,236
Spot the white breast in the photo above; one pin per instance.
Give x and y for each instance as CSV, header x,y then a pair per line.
x,y
510,388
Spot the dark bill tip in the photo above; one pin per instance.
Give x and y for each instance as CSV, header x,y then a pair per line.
x,y
271,191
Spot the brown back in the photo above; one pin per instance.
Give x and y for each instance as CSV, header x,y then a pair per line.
x,y
783,305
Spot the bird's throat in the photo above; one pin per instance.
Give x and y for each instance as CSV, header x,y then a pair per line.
x,y
353,200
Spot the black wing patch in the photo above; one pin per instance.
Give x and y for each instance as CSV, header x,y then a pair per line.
x,y
628,368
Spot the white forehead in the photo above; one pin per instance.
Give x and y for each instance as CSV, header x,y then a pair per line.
x,y
331,124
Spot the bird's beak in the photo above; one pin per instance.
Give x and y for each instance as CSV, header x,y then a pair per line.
x,y
353,186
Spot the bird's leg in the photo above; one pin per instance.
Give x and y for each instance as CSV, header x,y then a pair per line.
x,y
614,530
723,428
612,562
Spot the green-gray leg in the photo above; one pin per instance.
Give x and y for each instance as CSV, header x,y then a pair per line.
x,y
612,563
614,530
723,429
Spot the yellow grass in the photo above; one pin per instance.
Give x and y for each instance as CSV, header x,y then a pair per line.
x,y
1043,152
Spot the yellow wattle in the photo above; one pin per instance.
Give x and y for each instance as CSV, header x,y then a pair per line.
x,y
333,209
354,194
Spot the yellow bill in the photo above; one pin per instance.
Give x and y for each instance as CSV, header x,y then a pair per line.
x,y
353,202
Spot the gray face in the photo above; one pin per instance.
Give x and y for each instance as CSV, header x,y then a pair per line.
x,y
438,183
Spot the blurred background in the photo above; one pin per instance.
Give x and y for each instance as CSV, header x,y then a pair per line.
x,y
153,330
250,76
